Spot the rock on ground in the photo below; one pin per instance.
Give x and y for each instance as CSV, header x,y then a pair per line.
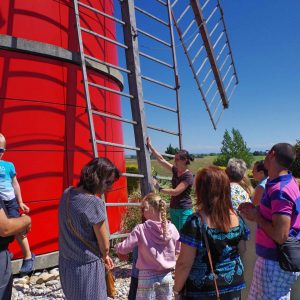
x,y
46,284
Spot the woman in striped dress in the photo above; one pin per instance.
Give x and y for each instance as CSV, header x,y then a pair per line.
x,y
83,238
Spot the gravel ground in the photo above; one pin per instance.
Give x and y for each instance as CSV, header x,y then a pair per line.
x,y
46,284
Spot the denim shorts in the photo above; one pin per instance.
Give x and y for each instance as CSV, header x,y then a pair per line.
x,y
13,208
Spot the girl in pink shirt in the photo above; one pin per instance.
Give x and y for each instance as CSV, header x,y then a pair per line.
x,y
158,245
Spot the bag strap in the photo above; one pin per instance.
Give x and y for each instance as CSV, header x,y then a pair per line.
x,y
73,229
209,257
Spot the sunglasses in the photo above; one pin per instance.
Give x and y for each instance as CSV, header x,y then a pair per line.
x,y
109,182
2,150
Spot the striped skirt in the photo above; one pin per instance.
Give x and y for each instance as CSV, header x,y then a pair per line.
x,y
155,285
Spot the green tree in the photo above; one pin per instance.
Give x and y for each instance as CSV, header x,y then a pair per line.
x,y
233,146
296,165
171,150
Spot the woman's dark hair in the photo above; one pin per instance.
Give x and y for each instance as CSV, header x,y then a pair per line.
x,y
95,175
260,166
212,187
183,154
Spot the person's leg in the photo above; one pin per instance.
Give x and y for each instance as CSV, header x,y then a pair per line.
x,y
175,218
279,281
133,288
164,287
183,216
6,280
24,245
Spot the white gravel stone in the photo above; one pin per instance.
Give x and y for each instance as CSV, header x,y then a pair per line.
x,y
30,289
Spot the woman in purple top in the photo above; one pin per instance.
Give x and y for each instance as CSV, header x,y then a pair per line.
x,y
182,182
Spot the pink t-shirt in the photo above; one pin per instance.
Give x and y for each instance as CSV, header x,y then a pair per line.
x,y
280,197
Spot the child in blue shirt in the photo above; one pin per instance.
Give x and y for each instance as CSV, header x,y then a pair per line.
x,y
10,193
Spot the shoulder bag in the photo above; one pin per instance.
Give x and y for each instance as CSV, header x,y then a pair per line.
x,y
204,234
109,277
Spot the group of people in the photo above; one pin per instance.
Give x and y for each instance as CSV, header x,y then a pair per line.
x,y
202,241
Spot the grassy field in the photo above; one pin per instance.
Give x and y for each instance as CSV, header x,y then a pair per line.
x,y
197,164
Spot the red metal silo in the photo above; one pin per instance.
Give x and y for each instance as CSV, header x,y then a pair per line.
x,y
43,110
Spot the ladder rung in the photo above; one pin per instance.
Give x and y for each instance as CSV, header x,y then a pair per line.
x,y
132,175
101,13
174,3
158,82
109,90
156,60
183,13
210,16
224,62
118,235
209,88
193,41
162,130
107,64
160,106
111,204
164,177
113,117
230,66
153,37
103,37
188,28
217,107
229,82
204,5
151,16
216,26
197,54
117,145
231,93
202,65
206,76
220,53
219,38
161,2
213,98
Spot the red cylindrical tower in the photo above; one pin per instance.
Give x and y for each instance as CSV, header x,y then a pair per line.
x,y
42,105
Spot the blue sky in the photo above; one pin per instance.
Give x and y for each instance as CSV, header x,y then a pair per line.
x,y
265,40
265,108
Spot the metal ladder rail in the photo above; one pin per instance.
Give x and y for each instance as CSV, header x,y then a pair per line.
x,y
146,185
173,66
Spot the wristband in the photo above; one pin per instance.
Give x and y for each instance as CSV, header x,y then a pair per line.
x,y
160,188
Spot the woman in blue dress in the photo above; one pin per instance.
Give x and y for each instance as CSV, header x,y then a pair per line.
x,y
224,229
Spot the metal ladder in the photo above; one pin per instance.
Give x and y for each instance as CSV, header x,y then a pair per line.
x,y
135,83
203,34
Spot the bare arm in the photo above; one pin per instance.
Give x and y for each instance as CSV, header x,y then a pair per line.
x,y
158,156
13,226
259,191
177,191
18,194
102,238
277,230
183,266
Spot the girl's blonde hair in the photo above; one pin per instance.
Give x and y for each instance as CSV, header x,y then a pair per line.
x,y
155,201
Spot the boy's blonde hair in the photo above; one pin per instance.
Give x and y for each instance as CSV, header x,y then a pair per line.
x,y
155,201
2,139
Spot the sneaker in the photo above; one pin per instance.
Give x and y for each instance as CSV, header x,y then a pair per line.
x,y
27,265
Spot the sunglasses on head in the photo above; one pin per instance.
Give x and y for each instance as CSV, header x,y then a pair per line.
x,y
2,150
109,182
